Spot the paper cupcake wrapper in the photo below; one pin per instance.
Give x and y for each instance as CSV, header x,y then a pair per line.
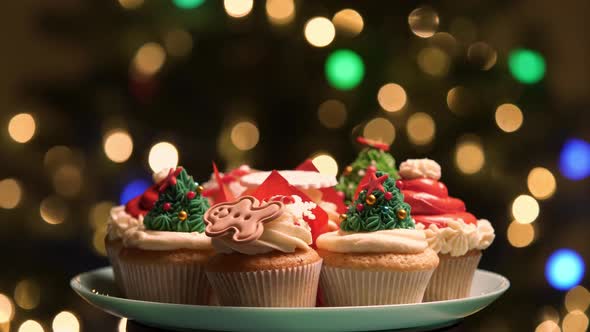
x,y
291,287
452,278
113,255
166,283
348,287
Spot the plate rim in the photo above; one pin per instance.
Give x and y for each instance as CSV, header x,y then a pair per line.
x,y
76,285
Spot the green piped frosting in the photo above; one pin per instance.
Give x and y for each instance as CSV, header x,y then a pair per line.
x,y
159,219
382,160
382,215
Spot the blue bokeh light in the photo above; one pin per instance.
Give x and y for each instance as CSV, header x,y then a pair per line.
x,y
565,269
133,189
574,162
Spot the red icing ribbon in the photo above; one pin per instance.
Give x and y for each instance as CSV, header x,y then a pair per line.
x,y
431,203
142,204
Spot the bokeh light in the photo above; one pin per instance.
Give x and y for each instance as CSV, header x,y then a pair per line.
x,y
245,135
421,128
133,189
525,209
444,41
541,183
482,56
460,100
548,326
238,8
577,298
326,164
30,326
21,127
319,31
57,156
549,313
423,21
509,117
149,59
122,327
564,269
434,61
380,129
574,160
332,113
575,321
53,210
344,69
6,309
392,97
65,321
520,235
131,4
469,156
527,66
67,180
188,4
348,21
27,294
280,12
118,145
178,42
98,241
162,155
99,214
10,193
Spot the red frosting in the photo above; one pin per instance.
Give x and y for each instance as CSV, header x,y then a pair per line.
x,y
431,203
143,203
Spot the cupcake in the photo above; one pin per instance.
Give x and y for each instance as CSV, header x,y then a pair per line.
x,y
455,234
163,260
376,257
263,254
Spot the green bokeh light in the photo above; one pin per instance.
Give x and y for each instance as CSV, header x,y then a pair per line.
x,y
526,66
344,69
188,4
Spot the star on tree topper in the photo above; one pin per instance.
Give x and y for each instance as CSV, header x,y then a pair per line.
x,y
375,183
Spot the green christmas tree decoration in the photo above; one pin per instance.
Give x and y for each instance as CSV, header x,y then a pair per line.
x,y
180,206
379,206
376,155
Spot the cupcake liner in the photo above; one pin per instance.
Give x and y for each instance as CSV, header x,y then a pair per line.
x,y
166,283
113,248
349,287
289,287
453,277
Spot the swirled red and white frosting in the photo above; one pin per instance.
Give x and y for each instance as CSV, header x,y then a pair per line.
x,y
448,227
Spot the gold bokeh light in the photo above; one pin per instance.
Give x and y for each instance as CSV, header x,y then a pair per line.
x,y
392,97
577,298
53,210
469,156
421,128
27,294
525,209
149,59
348,21
319,31
21,127
99,214
326,164
548,326
178,42
575,321
423,21
10,193
380,129
67,180
245,135
332,113
162,155
280,12
238,8
131,4
434,61
30,326
541,183
6,309
65,321
118,145
520,235
509,117
482,55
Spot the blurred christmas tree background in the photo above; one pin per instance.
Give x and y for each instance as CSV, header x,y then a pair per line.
x,y
95,95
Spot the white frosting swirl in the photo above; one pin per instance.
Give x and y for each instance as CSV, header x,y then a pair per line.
x,y
284,233
458,237
398,241
419,168
120,221
141,238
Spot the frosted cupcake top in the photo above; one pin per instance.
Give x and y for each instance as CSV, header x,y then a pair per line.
x,y
251,227
378,221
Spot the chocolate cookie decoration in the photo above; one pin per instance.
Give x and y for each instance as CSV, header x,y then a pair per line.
x,y
243,218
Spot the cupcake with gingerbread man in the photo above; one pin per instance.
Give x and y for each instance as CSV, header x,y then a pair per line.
x,y
455,234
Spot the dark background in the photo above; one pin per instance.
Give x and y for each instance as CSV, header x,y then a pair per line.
x,y
69,63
